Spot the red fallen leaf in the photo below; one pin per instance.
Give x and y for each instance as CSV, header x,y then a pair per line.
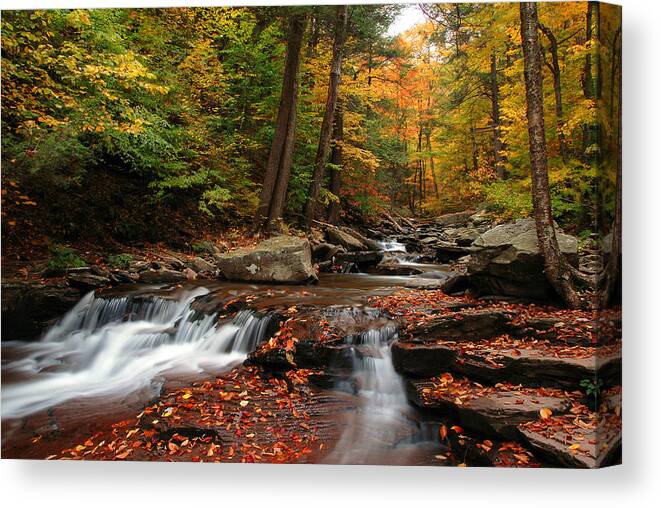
x,y
457,429
123,455
172,447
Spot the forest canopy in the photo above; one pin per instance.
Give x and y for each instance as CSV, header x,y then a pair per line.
x,y
184,102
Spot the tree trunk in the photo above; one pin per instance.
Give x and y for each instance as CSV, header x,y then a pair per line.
x,y
323,148
474,150
278,168
495,117
556,268
431,163
612,269
335,207
420,168
557,89
591,82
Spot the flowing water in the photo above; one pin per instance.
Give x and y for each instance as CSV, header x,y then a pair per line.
x,y
105,346
109,355
384,428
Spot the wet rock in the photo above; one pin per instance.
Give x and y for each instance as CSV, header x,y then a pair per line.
x,y
339,236
284,259
465,236
326,338
448,282
361,258
368,242
201,265
556,450
29,308
534,367
138,266
161,276
320,252
172,261
447,252
395,269
88,281
495,414
424,360
466,325
508,261
326,251
123,277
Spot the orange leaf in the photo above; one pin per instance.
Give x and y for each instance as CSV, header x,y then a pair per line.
x,y
545,412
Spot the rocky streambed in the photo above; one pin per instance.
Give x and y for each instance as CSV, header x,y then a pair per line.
x,y
406,344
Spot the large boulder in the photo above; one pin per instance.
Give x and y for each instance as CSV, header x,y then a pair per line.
x,y
347,240
507,261
283,258
29,308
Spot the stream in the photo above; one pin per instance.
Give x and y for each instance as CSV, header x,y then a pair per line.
x,y
114,352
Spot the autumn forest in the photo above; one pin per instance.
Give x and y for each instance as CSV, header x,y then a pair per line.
x,y
355,234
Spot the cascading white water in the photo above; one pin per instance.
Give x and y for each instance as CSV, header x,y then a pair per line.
x,y
106,346
377,425
392,246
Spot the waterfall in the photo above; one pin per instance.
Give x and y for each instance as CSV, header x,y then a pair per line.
x,y
392,246
382,418
119,345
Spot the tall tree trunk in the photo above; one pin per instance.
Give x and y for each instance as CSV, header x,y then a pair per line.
x,y
495,117
428,138
420,168
612,269
554,66
431,162
323,148
591,80
335,207
474,150
556,268
278,168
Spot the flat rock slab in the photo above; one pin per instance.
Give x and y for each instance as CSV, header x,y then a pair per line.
x,y
490,411
536,366
595,451
465,325
582,438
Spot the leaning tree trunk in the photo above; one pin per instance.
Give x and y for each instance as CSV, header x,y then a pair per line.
x,y
556,268
335,207
323,148
278,168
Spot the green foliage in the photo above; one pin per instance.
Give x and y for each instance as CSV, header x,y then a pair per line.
x,y
592,387
181,98
121,261
203,248
63,258
509,199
